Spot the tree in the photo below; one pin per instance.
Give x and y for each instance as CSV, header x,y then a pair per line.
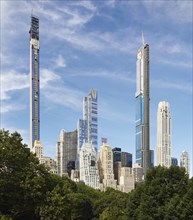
x,y
23,181
156,196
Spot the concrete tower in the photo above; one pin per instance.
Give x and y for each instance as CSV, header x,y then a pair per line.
x,y
142,108
163,155
34,82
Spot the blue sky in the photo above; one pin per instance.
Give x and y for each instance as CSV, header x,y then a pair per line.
x,y
93,44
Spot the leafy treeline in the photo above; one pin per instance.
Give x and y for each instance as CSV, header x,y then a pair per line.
x,y
29,191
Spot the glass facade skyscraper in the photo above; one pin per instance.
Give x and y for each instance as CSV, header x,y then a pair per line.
x,y
142,109
34,82
88,126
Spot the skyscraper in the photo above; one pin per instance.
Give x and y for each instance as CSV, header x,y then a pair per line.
x,y
34,82
66,152
88,166
142,142
184,161
126,159
106,167
88,126
163,155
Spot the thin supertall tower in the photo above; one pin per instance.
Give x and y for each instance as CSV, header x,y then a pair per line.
x,y
163,154
34,82
142,141
90,114
88,126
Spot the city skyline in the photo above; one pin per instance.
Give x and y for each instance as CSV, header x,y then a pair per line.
x,y
95,47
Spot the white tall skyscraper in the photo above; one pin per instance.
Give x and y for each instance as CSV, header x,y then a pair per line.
x,y
184,161
88,166
163,154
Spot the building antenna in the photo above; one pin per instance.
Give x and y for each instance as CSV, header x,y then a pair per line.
x,y
142,37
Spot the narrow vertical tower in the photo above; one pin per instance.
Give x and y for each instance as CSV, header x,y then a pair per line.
x,y
163,135
90,112
142,108
34,82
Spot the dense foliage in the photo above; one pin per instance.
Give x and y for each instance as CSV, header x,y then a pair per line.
x,y
29,191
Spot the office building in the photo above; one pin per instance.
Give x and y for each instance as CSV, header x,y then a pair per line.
x,y
116,154
126,159
142,140
184,161
66,152
174,161
88,126
89,173
105,163
163,154
34,82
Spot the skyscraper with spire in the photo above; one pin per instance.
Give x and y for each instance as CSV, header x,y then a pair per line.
x,y
34,82
142,141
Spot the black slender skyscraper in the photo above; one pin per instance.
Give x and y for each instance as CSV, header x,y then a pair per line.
x,y
142,108
34,82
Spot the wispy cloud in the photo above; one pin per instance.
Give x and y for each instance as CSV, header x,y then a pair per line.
x,y
172,85
13,80
60,62
7,107
115,76
175,11
64,96
46,77
183,64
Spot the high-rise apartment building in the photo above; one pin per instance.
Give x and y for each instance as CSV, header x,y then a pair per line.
x,y
105,163
89,173
163,154
184,161
34,82
88,126
66,152
142,109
